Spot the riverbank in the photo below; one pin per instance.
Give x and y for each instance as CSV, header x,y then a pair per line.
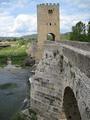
x,y
16,52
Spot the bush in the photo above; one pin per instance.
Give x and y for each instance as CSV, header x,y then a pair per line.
x,y
18,116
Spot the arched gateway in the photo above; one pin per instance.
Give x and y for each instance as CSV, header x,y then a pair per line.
x,y
51,37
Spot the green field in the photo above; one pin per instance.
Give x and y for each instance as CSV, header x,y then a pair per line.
x,y
16,52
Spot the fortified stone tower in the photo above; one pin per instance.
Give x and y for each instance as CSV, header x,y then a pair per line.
x,y
47,23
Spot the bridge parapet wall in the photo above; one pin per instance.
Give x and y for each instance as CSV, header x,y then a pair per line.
x,y
77,44
78,53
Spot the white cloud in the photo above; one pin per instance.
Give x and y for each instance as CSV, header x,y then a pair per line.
x,y
22,24
67,21
25,24
5,22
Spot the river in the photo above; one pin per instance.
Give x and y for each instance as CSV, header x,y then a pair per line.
x,y
11,99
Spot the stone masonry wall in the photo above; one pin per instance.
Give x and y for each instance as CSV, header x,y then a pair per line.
x,y
61,67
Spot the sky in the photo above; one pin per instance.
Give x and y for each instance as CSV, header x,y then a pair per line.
x,y
19,17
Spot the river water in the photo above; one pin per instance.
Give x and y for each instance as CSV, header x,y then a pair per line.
x,y
11,99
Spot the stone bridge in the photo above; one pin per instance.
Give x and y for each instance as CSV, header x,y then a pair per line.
x,y
60,88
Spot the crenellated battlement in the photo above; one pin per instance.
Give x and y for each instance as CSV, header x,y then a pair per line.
x,y
49,4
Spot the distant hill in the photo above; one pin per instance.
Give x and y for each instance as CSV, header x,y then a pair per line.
x,y
6,38
63,36
33,36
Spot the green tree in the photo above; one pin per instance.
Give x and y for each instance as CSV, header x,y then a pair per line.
x,y
88,32
14,39
78,32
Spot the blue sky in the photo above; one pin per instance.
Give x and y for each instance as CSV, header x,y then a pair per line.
x,y
18,17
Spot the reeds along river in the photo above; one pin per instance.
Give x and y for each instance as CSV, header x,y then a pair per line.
x,y
12,90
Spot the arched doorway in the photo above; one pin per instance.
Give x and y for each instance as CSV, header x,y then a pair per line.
x,y
70,106
51,37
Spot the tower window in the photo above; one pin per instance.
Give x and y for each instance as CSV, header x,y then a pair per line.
x,y
50,11
50,24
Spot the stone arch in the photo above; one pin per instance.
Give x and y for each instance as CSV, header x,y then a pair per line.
x,y
51,36
70,105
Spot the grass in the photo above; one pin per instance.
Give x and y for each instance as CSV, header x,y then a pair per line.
x,y
17,53
8,86
18,116
21,116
